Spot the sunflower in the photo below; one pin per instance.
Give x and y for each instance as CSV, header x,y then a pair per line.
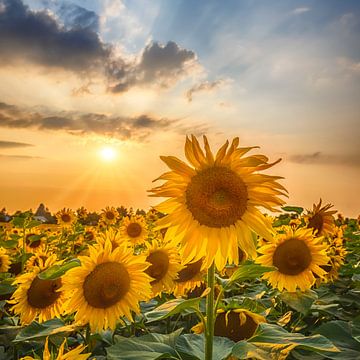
x,y
4,260
298,255
66,217
213,203
321,219
41,259
109,215
190,277
112,235
164,268
108,285
74,354
35,297
134,229
34,240
235,324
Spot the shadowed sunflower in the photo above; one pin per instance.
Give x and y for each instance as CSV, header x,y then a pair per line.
x,y
321,219
298,255
66,217
108,285
213,203
109,215
35,297
190,277
134,229
34,240
4,260
74,354
235,324
164,268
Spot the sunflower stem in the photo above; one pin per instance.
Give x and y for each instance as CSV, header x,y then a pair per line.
x,y
210,313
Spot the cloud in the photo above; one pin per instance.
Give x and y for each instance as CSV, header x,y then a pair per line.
x,y
20,157
204,86
12,144
300,10
39,38
325,159
159,64
121,127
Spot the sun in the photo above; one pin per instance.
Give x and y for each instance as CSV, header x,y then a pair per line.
x,y
107,154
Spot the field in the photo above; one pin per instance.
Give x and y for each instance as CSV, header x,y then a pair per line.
x,y
146,300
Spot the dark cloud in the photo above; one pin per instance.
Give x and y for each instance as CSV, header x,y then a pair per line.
x,y
38,37
12,144
204,86
120,127
161,65
326,159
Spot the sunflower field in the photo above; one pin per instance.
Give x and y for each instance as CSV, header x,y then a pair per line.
x,y
221,269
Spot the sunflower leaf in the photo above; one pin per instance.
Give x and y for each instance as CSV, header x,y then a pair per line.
x,y
248,272
299,301
173,307
56,271
296,209
271,341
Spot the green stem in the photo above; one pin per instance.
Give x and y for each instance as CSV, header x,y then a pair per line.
x,y
210,313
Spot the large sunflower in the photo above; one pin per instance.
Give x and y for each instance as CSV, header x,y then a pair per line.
x,y
108,285
134,229
4,260
164,268
298,255
321,219
190,277
35,297
213,203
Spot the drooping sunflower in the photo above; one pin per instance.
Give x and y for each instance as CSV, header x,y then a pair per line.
x,y
134,229
4,260
37,298
190,277
164,268
109,215
235,324
298,255
66,217
214,203
108,285
321,219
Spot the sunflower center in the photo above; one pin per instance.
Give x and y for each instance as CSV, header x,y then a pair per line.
x,y
65,217
134,230
30,243
292,257
89,235
216,197
316,222
189,271
43,293
232,328
110,215
159,265
106,285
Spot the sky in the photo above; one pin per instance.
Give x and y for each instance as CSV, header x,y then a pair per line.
x,y
138,76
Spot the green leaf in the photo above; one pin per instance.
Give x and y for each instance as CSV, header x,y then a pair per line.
x,y
32,223
299,301
136,348
296,209
272,340
173,307
18,222
248,272
341,334
168,339
193,345
9,244
6,289
57,271
36,330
